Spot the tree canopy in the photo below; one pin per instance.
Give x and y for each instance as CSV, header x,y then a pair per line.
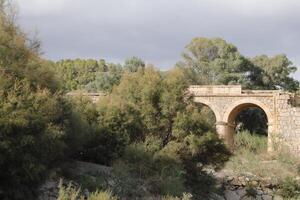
x,y
214,61
146,123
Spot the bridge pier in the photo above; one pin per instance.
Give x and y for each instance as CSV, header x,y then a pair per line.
x,y
226,132
270,137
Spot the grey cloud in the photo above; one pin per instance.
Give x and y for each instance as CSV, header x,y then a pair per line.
x,y
158,30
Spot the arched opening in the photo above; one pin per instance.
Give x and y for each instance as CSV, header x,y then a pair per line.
x,y
208,111
210,117
251,122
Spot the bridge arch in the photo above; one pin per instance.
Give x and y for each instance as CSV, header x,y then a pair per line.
x,y
209,104
232,111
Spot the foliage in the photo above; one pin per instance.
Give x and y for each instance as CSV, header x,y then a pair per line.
x,y
251,142
71,193
91,75
171,170
185,196
102,147
100,195
32,138
134,64
214,61
38,128
104,81
68,193
198,154
158,140
253,120
165,131
142,172
289,188
251,156
275,72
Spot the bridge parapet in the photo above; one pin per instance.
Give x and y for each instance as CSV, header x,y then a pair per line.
x,y
215,89
233,90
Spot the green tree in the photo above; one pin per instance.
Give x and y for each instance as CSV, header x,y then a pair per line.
x,y
214,61
104,81
134,64
37,124
275,72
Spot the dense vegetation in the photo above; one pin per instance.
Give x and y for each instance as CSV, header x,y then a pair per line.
x,y
146,127
250,156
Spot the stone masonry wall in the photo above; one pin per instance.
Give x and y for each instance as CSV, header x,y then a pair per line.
x,y
288,118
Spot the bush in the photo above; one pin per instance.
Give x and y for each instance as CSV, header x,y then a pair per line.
x,y
289,188
252,142
35,131
68,193
142,172
102,147
185,196
37,125
71,193
109,129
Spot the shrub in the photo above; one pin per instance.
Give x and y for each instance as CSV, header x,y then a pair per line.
x,y
37,125
36,137
185,196
68,193
71,193
102,195
142,172
289,188
102,147
252,142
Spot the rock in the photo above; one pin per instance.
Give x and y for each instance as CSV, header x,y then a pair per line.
x,y
259,192
254,183
49,190
276,197
229,178
241,178
241,192
230,195
84,168
267,197
250,198
235,182
215,196
268,191
86,193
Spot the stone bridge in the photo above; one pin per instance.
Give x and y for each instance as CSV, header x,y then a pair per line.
x,y
227,101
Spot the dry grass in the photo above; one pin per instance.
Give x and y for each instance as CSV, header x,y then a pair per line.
x,y
253,158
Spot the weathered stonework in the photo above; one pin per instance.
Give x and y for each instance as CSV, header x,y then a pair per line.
x,y
226,101
280,108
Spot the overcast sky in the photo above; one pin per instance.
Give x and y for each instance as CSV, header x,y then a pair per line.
x,y
158,30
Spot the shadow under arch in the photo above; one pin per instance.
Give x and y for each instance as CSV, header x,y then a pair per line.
x,y
235,108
